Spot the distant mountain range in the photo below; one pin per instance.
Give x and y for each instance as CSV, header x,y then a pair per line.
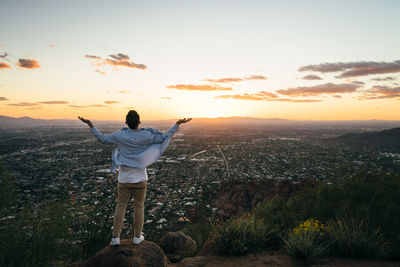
x,y
27,122
360,125
383,140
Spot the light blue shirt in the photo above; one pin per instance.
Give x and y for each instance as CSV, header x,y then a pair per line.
x,y
136,148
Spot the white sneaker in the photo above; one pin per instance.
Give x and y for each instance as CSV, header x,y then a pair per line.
x,y
138,240
114,241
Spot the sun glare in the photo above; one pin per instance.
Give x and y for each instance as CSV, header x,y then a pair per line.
x,y
212,114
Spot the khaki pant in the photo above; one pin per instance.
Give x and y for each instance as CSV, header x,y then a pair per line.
x,y
124,194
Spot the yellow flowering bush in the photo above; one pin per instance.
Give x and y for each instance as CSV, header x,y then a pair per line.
x,y
307,241
309,225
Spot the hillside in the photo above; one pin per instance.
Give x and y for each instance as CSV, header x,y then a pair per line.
x,y
388,140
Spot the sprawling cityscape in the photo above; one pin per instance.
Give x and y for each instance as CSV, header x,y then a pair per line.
x,y
66,162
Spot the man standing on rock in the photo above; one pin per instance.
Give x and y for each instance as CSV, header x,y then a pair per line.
x,y
135,149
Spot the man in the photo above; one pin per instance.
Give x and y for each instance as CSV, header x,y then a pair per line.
x,y
135,150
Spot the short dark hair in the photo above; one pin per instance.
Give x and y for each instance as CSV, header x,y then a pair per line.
x,y
132,119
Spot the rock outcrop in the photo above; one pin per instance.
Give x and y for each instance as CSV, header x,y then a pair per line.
x,y
237,197
177,246
127,255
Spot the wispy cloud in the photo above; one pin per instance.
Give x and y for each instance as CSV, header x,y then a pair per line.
x,y
28,63
224,80
98,106
119,56
79,106
4,65
89,106
125,63
2,98
166,98
53,102
381,92
233,79
31,104
101,72
92,57
23,104
117,60
358,82
4,55
265,96
384,79
312,77
354,69
109,102
124,92
255,77
327,88
201,87
262,95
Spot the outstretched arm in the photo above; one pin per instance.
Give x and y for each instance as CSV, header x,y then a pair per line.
x,y
159,137
103,138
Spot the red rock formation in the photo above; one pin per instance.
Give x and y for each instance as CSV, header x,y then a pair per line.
x,y
178,245
127,255
237,197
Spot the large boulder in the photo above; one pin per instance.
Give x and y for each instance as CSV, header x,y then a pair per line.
x,y
178,245
127,255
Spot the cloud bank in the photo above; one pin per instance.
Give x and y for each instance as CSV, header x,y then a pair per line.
x,y
381,92
265,96
355,69
327,88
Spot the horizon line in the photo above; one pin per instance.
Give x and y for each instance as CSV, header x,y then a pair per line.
x,y
210,118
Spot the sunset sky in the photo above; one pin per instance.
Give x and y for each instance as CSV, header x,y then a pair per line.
x,y
319,60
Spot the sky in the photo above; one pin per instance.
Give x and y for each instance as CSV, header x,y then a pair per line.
x,y
301,60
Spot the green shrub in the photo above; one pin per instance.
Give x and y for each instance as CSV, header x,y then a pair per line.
x,y
200,232
279,214
356,238
36,240
370,197
7,189
306,245
240,235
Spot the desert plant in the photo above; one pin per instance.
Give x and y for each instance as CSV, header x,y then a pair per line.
x,y
355,237
240,235
36,238
306,243
93,228
200,232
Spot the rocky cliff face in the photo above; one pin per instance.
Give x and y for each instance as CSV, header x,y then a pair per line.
x,y
237,197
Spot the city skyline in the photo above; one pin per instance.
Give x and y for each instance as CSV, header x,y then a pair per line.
x,y
330,60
